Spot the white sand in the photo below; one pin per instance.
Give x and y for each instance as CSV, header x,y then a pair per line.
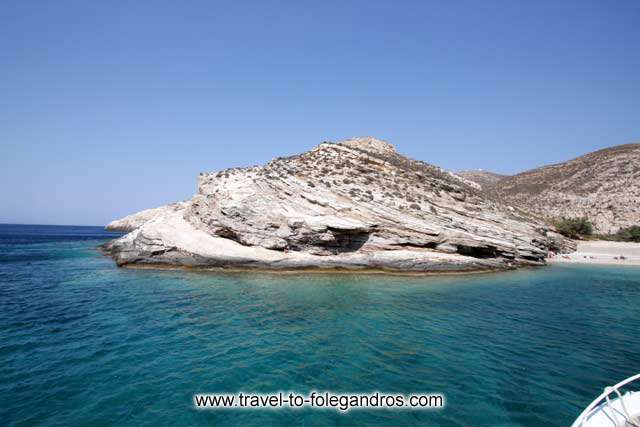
x,y
602,252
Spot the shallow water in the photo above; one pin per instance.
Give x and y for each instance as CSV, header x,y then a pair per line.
x,y
83,342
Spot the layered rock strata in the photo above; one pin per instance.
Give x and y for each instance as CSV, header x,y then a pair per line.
x,y
355,205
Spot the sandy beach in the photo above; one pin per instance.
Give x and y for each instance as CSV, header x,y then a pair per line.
x,y
602,252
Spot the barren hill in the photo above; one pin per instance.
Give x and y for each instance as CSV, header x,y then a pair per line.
x,y
484,178
603,186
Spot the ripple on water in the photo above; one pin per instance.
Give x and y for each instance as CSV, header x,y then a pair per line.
x,y
83,342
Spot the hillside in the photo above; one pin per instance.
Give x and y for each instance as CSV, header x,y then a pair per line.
x,y
354,204
603,186
484,178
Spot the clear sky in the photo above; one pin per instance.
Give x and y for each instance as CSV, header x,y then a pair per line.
x,y
110,107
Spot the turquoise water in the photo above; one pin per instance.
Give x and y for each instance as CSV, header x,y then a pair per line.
x,y
85,343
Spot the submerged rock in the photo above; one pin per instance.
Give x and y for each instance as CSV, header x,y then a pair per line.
x,y
357,204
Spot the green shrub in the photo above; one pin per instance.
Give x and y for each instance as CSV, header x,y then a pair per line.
x,y
574,227
629,234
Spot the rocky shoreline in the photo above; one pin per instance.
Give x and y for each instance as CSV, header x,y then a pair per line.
x,y
356,205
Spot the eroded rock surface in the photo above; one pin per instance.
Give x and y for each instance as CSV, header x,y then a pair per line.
x,y
136,220
357,204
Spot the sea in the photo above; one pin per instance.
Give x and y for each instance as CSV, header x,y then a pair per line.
x,y
85,343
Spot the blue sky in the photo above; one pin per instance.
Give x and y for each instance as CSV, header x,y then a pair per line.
x,y
107,108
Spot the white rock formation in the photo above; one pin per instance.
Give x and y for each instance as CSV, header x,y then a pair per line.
x,y
136,220
357,204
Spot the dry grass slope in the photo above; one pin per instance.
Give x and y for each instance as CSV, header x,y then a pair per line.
x,y
603,186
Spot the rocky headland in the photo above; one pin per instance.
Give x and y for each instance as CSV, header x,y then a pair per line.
x,y
352,205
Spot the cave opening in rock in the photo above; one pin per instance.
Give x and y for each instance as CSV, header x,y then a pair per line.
x,y
478,251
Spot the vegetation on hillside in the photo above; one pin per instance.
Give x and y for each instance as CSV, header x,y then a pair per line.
x,y
574,228
629,234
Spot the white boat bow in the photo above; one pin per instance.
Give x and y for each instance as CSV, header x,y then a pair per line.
x,y
613,408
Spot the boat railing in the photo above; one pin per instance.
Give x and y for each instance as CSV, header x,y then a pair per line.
x,y
605,396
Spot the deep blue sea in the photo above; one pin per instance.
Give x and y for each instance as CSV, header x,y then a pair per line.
x,y
83,342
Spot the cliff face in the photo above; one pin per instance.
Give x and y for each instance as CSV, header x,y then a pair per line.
x,y
603,186
355,204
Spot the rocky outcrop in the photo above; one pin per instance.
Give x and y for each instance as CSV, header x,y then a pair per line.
x,y
603,186
357,204
136,220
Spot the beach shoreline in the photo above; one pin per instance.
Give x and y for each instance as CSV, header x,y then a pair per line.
x,y
601,252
